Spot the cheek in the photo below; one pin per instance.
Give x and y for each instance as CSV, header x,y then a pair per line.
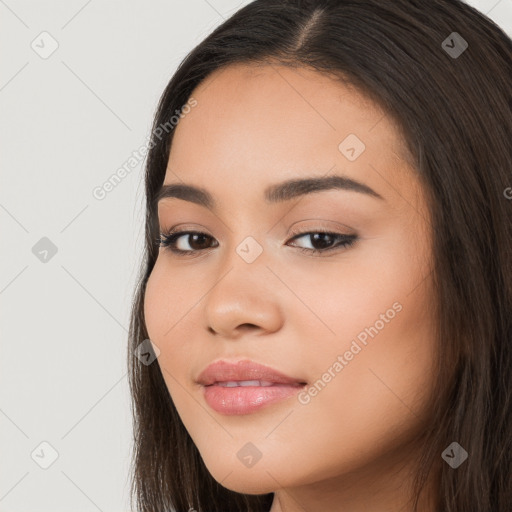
x,y
348,295
154,305
380,324
375,401
171,321
166,301
383,304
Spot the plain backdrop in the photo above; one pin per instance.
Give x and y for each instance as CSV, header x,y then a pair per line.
x,y
79,84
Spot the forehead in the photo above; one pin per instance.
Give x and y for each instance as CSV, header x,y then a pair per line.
x,y
258,124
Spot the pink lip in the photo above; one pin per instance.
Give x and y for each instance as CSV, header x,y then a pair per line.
x,y
245,399
224,371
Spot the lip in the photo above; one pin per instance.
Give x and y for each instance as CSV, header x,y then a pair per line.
x,y
225,371
245,399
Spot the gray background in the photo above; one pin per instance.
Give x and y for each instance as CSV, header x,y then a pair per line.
x,y
69,120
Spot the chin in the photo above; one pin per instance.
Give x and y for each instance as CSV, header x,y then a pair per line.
x,y
237,478
250,483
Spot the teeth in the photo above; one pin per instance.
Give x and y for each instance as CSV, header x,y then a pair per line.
x,y
233,384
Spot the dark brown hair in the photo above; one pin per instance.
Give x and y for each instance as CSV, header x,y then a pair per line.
x,y
453,106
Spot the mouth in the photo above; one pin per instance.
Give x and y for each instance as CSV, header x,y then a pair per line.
x,y
244,387
244,373
252,383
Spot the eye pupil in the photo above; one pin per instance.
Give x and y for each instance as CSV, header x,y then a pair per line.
x,y
202,238
322,238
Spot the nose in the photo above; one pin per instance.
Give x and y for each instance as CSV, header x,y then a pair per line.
x,y
243,300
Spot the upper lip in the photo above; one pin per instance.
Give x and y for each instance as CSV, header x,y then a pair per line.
x,y
224,371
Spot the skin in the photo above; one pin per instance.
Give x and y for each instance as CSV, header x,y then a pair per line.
x,y
351,447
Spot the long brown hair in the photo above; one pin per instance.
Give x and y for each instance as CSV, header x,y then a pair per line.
x,y
451,97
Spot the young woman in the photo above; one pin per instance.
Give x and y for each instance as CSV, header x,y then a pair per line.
x,y
327,281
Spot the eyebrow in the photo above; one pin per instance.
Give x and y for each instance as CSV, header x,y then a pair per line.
x,y
273,194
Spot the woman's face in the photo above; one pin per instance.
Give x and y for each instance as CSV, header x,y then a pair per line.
x,y
353,322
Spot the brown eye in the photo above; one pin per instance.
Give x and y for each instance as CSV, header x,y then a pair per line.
x,y
185,241
321,241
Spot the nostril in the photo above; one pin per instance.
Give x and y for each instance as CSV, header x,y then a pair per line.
x,y
247,326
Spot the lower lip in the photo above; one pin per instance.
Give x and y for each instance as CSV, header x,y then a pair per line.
x,y
246,399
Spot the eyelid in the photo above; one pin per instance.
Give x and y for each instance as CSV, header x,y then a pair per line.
x,y
319,224
186,227
328,225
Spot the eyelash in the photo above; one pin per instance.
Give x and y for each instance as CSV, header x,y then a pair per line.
x,y
167,241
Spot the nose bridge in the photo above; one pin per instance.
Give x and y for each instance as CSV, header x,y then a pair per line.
x,y
247,239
